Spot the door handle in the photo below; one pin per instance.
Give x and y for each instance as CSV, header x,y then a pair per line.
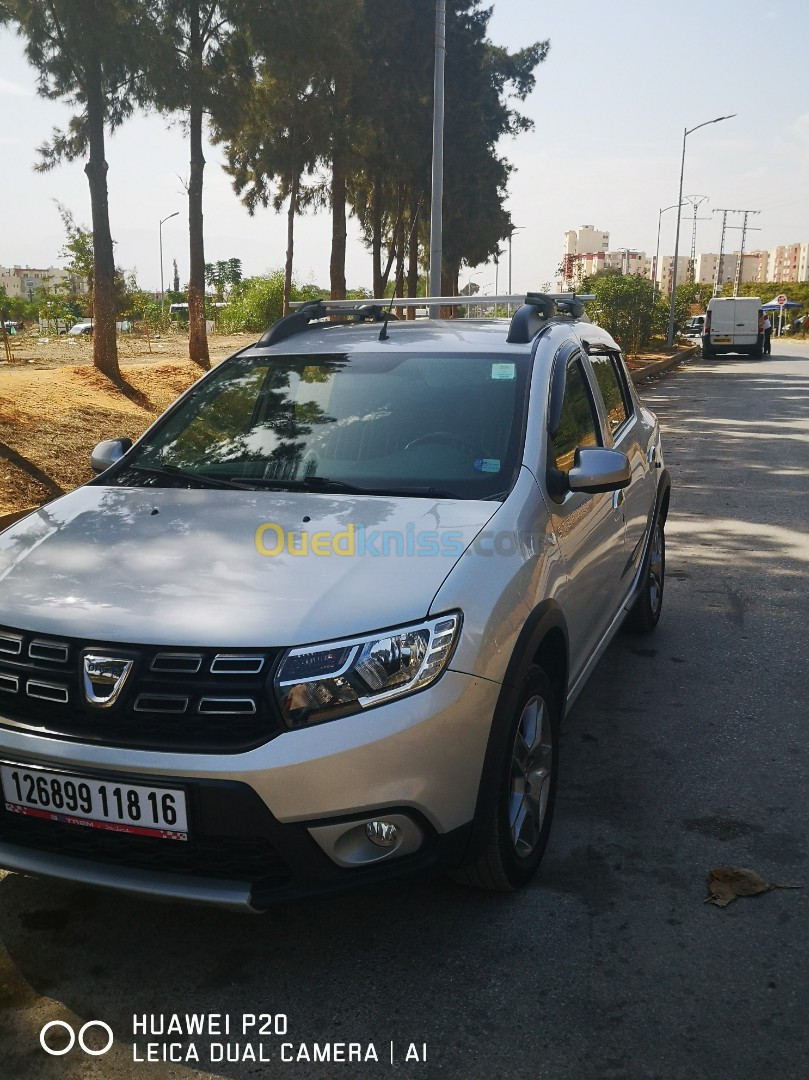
x,y
617,498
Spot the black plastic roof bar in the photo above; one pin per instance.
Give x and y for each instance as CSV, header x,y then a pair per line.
x,y
314,310
535,311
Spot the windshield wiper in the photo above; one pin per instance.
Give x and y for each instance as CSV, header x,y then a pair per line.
x,y
308,483
175,473
323,483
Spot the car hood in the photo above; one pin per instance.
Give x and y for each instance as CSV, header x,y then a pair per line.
x,y
182,567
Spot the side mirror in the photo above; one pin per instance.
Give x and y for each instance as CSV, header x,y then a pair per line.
x,y
597,469
108,452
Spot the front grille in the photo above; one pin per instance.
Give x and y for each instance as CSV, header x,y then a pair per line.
x,y
233,858
198,700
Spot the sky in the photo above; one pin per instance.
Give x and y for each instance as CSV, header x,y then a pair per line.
x,y
621,83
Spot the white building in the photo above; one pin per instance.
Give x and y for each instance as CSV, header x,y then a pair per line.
x,y
586,240
754,265
586,251
27,281
665,269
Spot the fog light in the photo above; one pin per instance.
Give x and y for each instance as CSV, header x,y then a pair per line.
x,y
382,833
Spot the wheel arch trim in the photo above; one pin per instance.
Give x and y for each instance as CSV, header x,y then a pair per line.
x,y
546,623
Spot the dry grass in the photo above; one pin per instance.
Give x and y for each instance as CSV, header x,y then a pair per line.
x,y
55,406
51,419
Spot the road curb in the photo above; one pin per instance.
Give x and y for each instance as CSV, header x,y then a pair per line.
x,y
659,366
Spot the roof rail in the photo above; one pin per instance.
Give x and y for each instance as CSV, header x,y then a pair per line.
x,y
475,300
533,313
313,310
538,308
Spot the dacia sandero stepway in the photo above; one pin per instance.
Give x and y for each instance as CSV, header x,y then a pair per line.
x,y
320,624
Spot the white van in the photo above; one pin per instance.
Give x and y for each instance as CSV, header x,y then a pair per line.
x,y
733,324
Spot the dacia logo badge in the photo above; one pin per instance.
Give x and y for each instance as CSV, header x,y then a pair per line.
x,y
104,678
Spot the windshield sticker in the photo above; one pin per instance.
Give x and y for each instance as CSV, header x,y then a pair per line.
x,y
488,464
503,371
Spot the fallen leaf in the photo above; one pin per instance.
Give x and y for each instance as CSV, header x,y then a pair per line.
x,y
725,883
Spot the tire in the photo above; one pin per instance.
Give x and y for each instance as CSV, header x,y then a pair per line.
x,y
520,822
707,354
757,352
645,612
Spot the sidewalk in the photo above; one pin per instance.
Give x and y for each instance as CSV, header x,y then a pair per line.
x,y
657,367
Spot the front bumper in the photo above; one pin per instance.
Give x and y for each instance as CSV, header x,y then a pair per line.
x,y
257,820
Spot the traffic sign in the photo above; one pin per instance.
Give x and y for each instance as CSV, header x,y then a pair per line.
x,y
781,300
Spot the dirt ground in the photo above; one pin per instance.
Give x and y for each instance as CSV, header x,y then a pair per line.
x,y
31,348
55,406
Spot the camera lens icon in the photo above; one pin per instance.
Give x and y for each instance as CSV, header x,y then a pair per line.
x,y
72,1037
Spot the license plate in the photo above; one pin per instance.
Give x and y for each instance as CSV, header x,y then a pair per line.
x,y
721,340
95,804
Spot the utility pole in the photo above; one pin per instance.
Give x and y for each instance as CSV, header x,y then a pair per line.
x,y
718,274
695,201
745,229
741,252
436,224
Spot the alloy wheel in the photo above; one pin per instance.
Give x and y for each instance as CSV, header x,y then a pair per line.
x,y
531,770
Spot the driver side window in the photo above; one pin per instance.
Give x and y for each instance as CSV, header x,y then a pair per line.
x,y
577,421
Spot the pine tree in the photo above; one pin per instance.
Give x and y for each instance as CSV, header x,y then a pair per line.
x,y
200,41
88,53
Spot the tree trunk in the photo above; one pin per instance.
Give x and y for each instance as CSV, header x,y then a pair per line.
x,y
376,237
337,267
449,287
413,256
197,335
293,204
105,346
398,284
392,252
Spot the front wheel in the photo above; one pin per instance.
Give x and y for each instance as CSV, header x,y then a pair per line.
x,y
520,822
645,612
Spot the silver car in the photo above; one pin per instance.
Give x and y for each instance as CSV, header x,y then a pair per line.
x,y
321,623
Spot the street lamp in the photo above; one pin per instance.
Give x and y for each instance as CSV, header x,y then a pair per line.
x,y
483,289
686,133
657,250
162,223
436,220
512,230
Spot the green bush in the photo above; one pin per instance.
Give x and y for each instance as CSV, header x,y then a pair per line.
x,y
258,302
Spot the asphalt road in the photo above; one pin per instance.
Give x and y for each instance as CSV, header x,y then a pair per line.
x,y
686,751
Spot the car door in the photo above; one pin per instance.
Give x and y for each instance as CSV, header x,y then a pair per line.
x,y
625,431
589,528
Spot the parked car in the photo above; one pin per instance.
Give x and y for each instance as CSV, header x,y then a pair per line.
x,y
84,326
733,324
321,623
694,326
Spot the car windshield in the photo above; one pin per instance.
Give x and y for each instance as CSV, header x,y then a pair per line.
x,y
418,424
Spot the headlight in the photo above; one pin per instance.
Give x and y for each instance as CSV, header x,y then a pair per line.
x,y
321,682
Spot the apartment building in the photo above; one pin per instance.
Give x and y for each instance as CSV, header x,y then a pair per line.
x,y
27,281
788,262
754,267
579,267
665,269
585,239
586,251
578,244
